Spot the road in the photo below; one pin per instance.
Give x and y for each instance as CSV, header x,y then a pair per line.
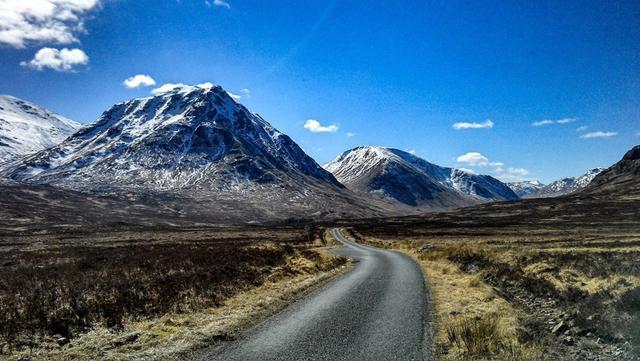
x,y
377,311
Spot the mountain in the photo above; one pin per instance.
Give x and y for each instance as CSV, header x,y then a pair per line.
x,y
192,142
393,174
26,128
621,179
565,185
525,188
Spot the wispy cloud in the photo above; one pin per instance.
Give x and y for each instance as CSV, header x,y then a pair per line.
x,y
138,81
511,174
58,60
350,135
220,3
473,125
235,97
544,122
598,135
582,128
25,22
314,126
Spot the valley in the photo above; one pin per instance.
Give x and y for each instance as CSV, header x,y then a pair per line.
x,y
182,226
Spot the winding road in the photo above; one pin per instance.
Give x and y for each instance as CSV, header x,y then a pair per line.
x,y
377,311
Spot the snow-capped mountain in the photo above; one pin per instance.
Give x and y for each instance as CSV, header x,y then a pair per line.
x,y
525,188
197,147
188,136
566,185
410,180
26,128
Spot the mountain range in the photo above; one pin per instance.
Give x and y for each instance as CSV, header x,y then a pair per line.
x,y
193,154
400,176
26,128
194,148
535,189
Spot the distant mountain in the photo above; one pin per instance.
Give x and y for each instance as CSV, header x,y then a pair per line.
x,y
565,185
393,174
26,128
195,142
525,188
622,179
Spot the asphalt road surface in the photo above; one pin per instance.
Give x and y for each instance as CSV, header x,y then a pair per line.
x,y
377,311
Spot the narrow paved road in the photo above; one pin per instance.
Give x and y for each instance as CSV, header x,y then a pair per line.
x,y
377,311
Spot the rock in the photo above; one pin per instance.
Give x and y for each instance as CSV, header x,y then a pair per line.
x,y
569,341
126,339
559,328
61,341
425,247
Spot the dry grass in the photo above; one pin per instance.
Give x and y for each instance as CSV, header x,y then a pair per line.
x,y
575,263
169,294
473,322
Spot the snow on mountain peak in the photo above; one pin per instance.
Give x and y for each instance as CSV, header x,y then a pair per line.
x,y
182,136
409,179
26,128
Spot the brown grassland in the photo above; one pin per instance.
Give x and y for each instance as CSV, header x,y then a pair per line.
x,y
126,294
539,280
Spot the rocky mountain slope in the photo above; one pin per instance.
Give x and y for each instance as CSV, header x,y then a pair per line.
x,y
194,142
525,188
620,180
409,180
26,128
565,185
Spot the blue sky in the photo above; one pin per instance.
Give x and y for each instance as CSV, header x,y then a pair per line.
x,y
387,73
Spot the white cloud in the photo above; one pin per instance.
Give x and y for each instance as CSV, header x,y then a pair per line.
x,y
473,158
138,81
598,134
164,88
58,60
467,170
235,97
540,123
477,159
518,171
245,91
221,3
314,126
511,174
466,125
582,128
350,135
207,85
24,22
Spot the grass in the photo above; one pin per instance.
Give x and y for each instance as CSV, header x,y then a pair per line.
x,y
70,289
499,291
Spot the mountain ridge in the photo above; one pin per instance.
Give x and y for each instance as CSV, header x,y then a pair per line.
x,y
394,174
27,128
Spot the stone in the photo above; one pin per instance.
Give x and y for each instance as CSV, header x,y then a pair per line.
x,y
425,247
61,341
569,341
559,328
126,339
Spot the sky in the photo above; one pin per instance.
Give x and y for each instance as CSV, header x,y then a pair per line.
x,y
519,90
